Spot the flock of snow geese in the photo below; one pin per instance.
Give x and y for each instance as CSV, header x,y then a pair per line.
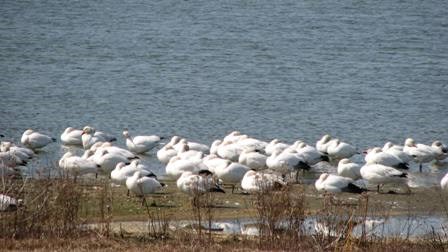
x,y
237,159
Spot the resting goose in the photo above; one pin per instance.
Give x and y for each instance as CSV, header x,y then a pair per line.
x,y
35,140
141,144
335,184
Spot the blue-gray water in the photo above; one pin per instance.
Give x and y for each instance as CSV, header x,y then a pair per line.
x,y
364,71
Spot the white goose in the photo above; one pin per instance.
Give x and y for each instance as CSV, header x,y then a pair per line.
x,y
377,174
335,184
444,183
253,159
142,185
287,161
348,169
21,152
8,203
72,136
141,144
322,144
232,173
123,171
90,136
397,151
108,161
440,150
166,153
213,162
177,166
229,150
194,184
256,182
275,144
377,156
77,166
310,155
191,146
338,150
422,153
35,140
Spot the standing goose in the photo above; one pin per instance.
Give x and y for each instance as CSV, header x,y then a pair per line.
x,y
232,174
142,185
422,153
377,174
141,144
310,155
397,151
377,156
35,140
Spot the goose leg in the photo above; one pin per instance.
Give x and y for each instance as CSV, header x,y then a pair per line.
x,y
420,167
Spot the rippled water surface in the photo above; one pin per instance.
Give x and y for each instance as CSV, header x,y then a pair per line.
x,y
364,71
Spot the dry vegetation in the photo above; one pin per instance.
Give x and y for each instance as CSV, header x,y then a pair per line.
x,y
58,214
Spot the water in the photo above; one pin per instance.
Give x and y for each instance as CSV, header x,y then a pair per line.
x,y
363,71
403,227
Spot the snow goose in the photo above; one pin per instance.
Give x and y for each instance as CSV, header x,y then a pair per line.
x,y
397,151
166,153
440,150
90,136
310,155
197,184
9,159
322,144
214,146
229,150
123,171
191,146
338,150
77,166
287,161
348,169
232,173
20,152
108,161
377,156
251,144
253,159
444,182
214,162
335,184
35,140
72,136
377,174
258,182
8,203
185,153
274,145
142,185
115,150
422,153
234,137
141,144
176,166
